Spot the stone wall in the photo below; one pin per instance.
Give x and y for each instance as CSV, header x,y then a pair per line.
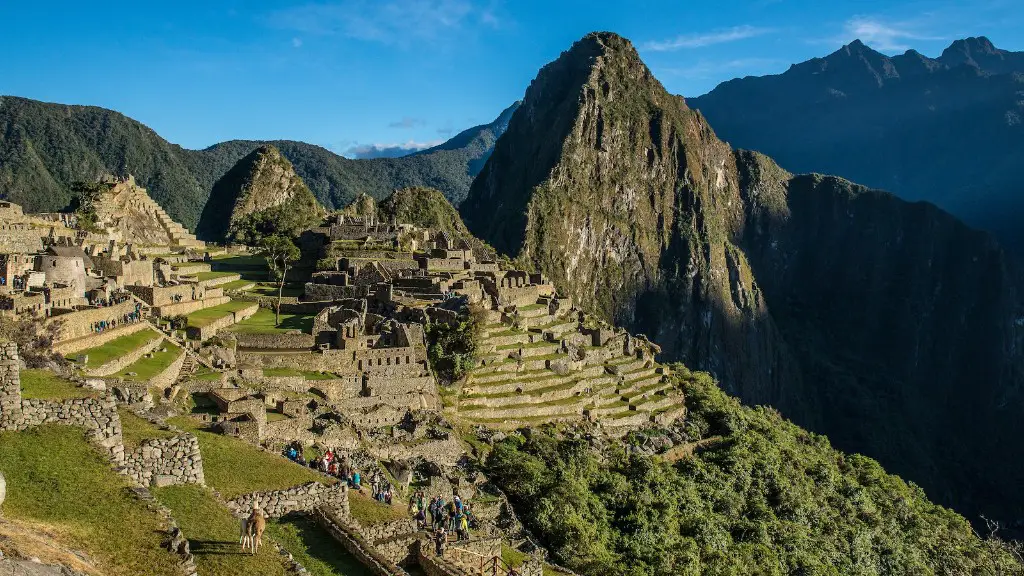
x,y
97,415
98,338
78,324
275,341
211,329
303,498
189,306
169,376
350,539
166,461
10,386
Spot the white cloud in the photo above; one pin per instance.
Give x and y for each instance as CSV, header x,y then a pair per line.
x,y
884,36
706,38
365,151
385,21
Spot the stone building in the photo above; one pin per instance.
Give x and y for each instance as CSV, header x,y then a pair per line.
x,y
65,265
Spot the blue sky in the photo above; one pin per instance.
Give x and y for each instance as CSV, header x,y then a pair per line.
x,y
347,74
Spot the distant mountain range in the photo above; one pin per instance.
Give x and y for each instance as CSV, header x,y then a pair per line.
x,y
949,130
44,148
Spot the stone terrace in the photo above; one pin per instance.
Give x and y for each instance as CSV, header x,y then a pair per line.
x,y
538,364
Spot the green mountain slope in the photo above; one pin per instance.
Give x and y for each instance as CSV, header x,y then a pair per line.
x,y
46,147
743,492
889,326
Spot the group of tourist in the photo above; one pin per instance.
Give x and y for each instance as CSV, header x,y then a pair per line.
x,y
112,300
128,318
446,517
338,466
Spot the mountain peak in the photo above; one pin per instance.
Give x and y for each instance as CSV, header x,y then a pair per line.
x,y
262,180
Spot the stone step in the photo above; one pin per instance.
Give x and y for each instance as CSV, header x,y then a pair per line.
x,y
625,419
506,423
556,391
535,349
532,311
652,403
496,377
529,409
636,387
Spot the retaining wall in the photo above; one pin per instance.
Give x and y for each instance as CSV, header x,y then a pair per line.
x,y
97,415
97,338
212,328
303,498
190,306
350,540
166,461
276,341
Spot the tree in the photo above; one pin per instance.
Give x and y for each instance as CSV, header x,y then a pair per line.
x,y
279,252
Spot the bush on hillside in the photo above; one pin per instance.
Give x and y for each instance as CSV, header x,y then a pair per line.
x,y
766,498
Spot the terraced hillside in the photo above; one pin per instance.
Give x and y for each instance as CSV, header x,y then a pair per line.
x,y
538,364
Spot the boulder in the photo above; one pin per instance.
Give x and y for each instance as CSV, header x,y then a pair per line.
x,y
3,488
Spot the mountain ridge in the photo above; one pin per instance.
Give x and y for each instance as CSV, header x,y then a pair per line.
x,y
46,147
947,130
631,204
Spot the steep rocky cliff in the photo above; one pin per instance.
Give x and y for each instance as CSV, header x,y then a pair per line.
x,y
262,180
889,326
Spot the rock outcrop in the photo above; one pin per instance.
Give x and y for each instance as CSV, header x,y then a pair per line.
x,y
889,326
261,181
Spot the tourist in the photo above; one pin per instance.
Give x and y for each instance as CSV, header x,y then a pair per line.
x,y
440,538
355,480
463,524
432,510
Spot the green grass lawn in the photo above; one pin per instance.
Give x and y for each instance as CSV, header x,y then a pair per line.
x,y
206,316
310,375
147,368
135,429
206,375
235,467
263,322
237,285
213,275
251,267
276,417
369,511
269,289
117,347
314,548
212,532
56,479
42,384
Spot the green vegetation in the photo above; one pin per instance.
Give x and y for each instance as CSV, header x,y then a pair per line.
x,y
135,429
209,315
57,480
265,322
224,459
213,534
237,285
42,384
309,375
117,348
146,368
451,350
212,275
314,548
368,511
765,498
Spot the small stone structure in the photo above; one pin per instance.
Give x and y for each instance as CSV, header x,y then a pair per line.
x,y
303,498
10,386
97,415
166,461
